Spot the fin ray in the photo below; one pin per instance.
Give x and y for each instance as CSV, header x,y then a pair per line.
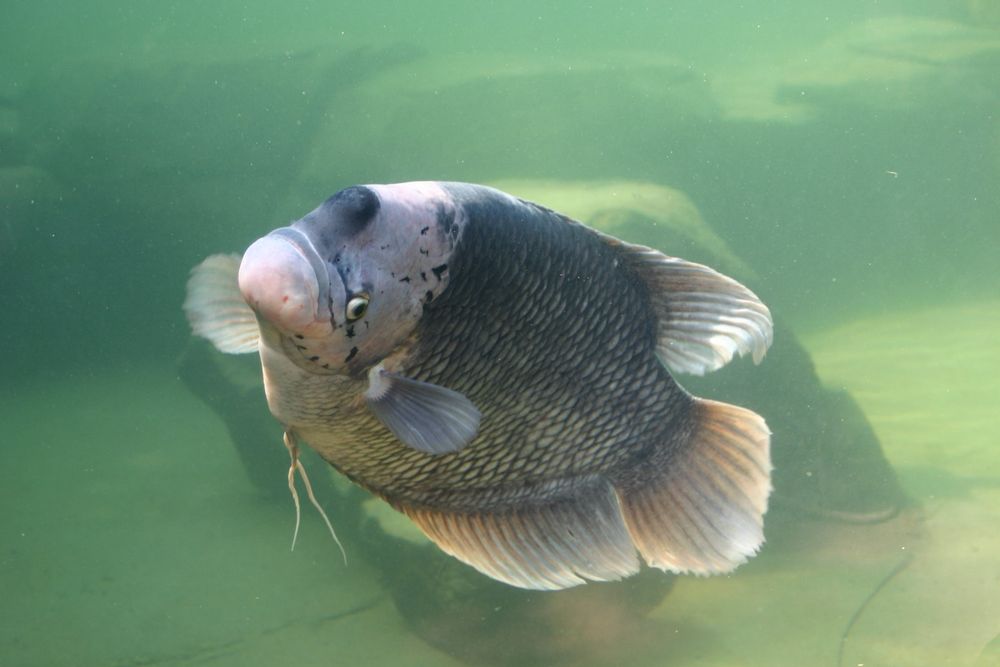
x,y
699,509
215,308
702,511
424,416
548,546
704,318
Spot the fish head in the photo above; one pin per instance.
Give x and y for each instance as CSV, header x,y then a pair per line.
x,y
344,286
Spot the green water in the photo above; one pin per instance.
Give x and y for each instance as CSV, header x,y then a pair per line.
x,y
843,160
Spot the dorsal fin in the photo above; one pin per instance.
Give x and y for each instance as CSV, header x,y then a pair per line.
x,y
703,317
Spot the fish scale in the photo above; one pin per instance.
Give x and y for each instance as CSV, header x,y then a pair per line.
x,y
593,436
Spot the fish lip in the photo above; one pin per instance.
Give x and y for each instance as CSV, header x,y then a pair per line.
x,y
304,246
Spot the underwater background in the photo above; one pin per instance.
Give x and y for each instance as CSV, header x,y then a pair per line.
x,y
843,160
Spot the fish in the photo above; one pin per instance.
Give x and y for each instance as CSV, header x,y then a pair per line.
x,y
503,375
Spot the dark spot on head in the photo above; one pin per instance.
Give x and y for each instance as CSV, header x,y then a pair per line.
x,y
404,279
299,336
423,276
446,219
439,270
352,208
350,331
326,366
336,258
350,356
424,252
313,358
429,296
423,231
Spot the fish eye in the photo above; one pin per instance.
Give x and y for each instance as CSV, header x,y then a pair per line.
x,y
357,307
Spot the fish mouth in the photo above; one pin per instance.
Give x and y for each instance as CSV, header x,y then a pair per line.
x,y
285,281
305,247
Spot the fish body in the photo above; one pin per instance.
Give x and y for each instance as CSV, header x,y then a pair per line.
x,y
501,374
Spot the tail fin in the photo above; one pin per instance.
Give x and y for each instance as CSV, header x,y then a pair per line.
x,y
704,513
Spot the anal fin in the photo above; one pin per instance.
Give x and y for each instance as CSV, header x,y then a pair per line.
x,y
548,546
703,512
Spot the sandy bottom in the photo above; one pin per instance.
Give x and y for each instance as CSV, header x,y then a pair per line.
x,y
131,537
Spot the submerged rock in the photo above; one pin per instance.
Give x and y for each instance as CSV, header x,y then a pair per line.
x,y
894,63
898,63
477,117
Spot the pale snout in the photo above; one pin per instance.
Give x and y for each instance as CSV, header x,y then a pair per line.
x,y
284,281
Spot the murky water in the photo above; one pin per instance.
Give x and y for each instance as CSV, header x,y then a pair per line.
x,y
841,161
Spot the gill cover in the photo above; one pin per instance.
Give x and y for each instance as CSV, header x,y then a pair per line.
x,y
387,247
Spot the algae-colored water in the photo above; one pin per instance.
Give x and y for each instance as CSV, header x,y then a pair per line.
x,y
842,161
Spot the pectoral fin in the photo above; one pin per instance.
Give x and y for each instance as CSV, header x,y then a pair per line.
x,y
424,416
215,308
